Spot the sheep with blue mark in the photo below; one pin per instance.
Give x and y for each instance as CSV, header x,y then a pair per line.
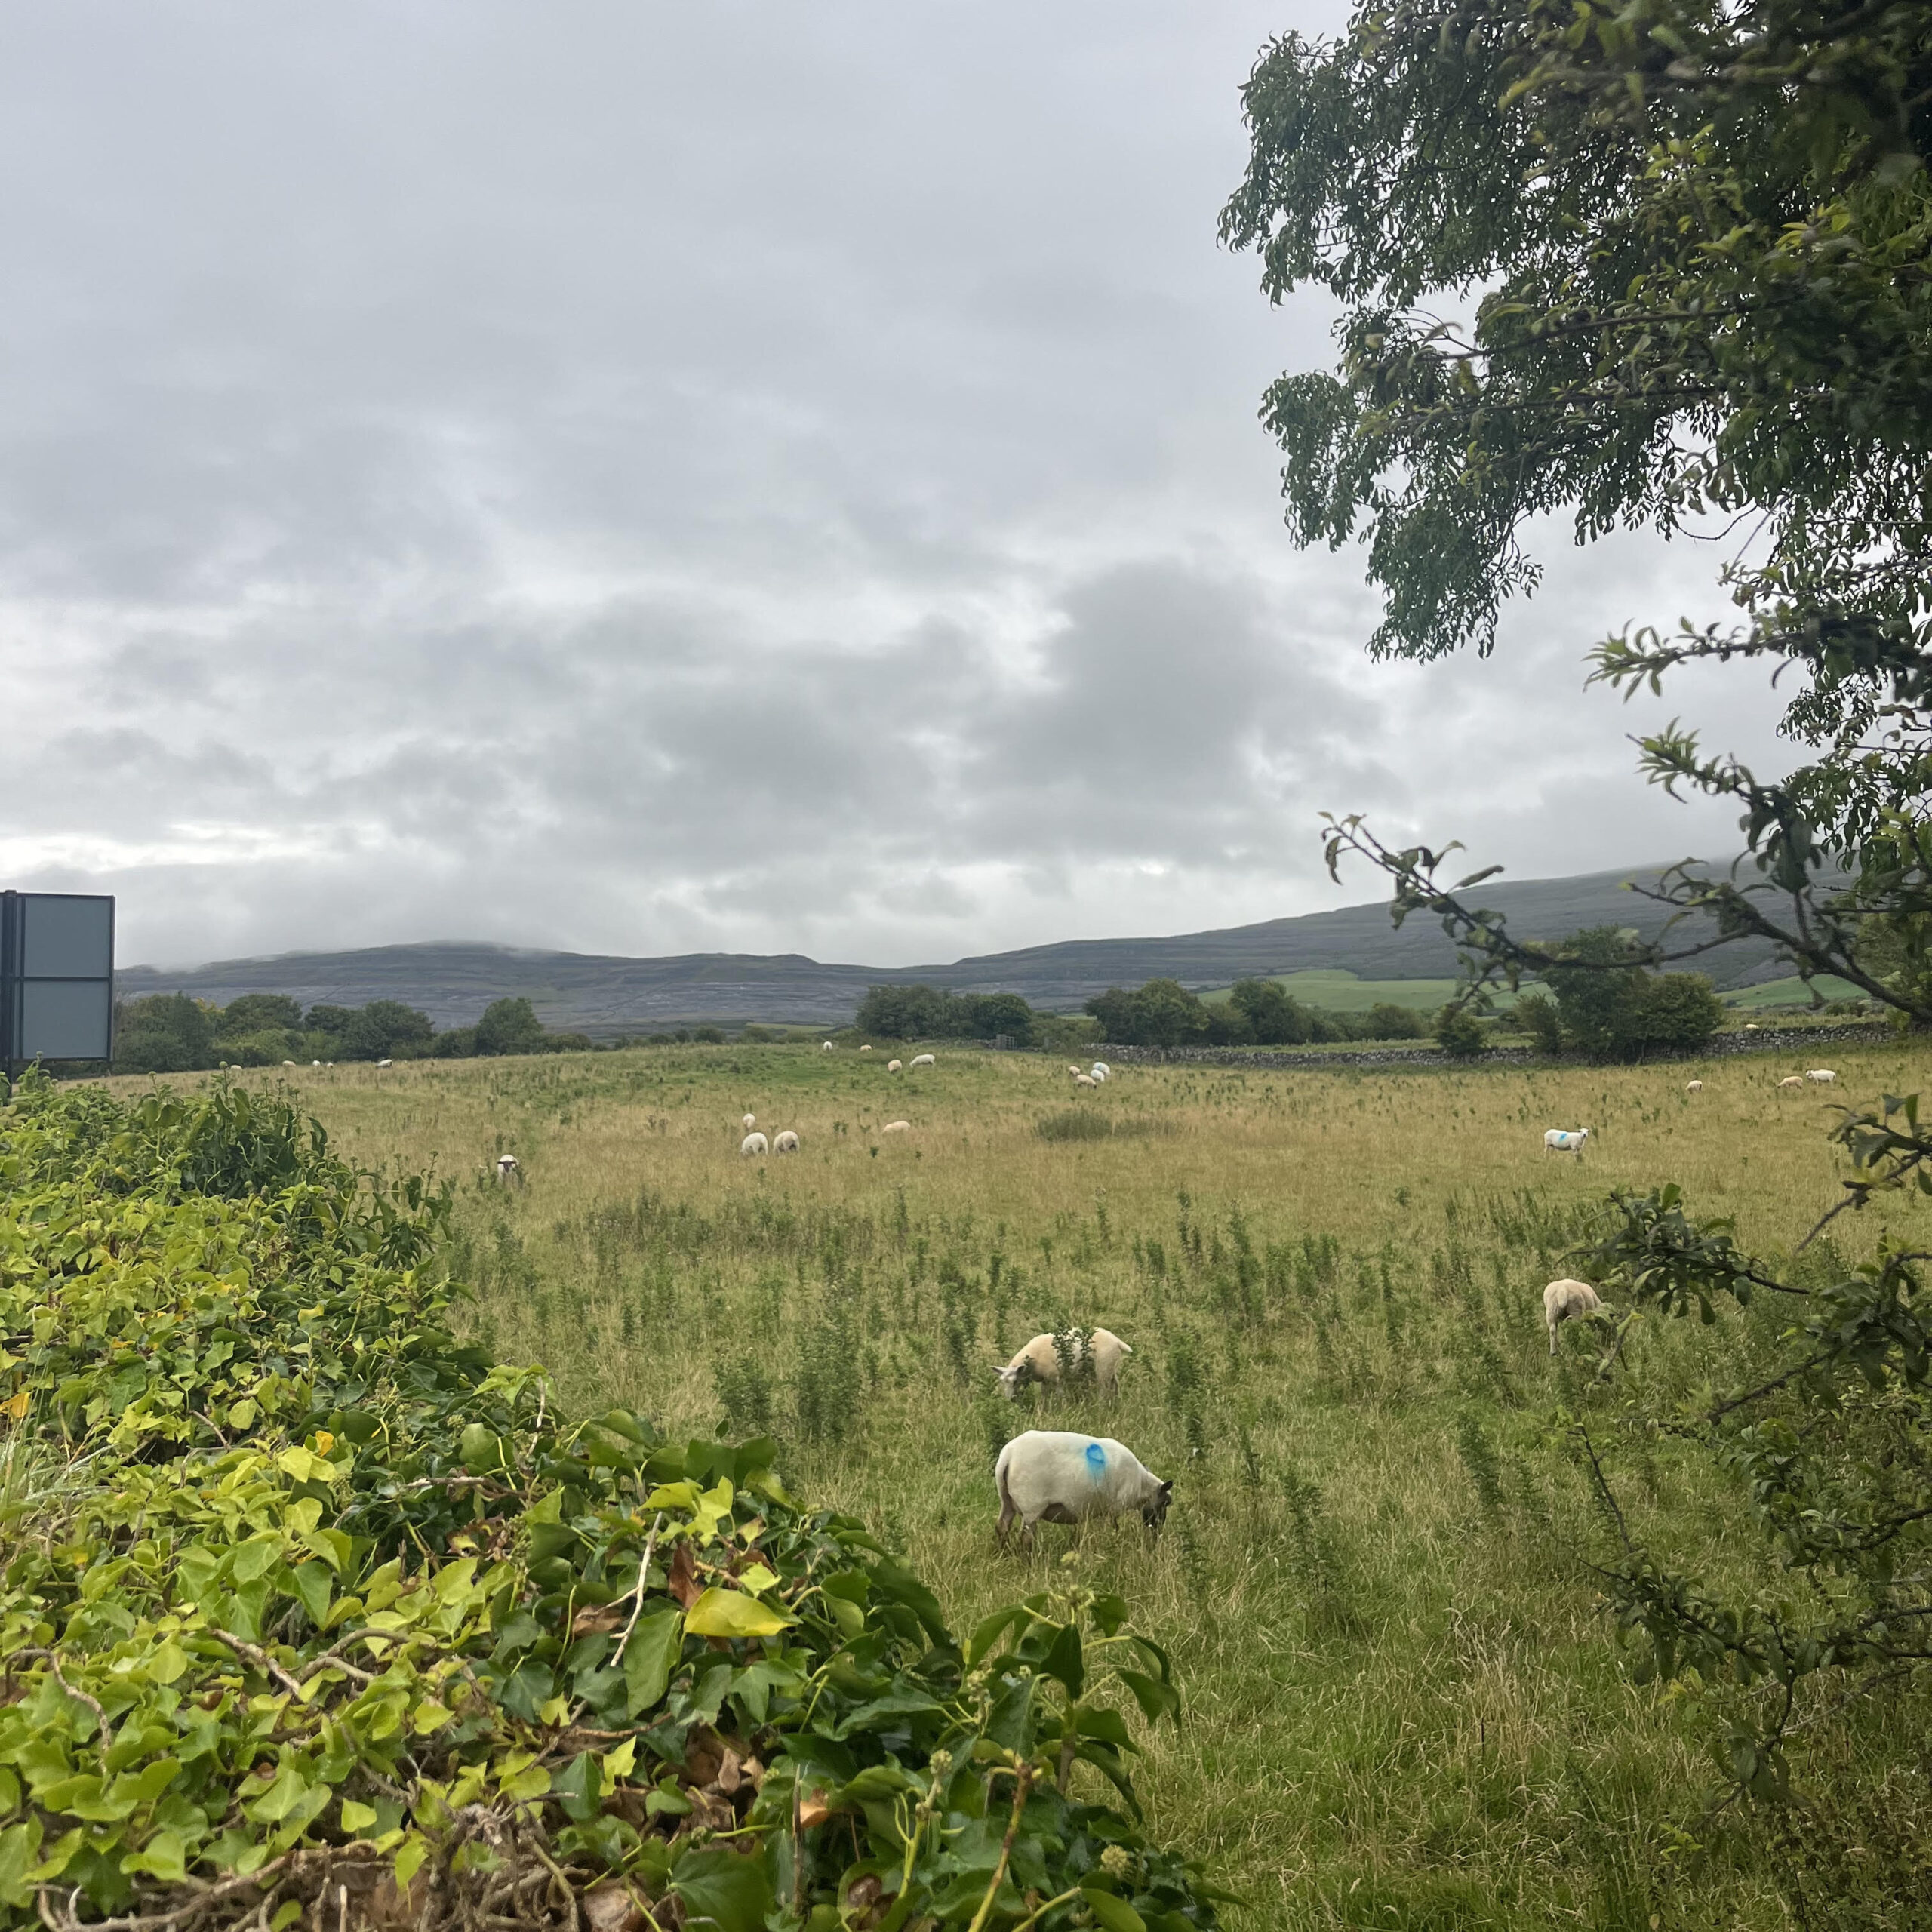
x,y
1054,1475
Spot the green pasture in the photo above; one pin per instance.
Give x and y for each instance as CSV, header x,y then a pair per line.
x,y
1405,1708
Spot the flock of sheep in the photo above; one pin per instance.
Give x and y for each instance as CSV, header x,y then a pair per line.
x,y
1064,1476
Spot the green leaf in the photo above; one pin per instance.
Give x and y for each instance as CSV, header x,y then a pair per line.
x,y
722,1613
1111,1911
357,1818
649,1658
164,1856
722,1887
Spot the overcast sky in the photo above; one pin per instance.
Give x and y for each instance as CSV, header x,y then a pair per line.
x,y
652,479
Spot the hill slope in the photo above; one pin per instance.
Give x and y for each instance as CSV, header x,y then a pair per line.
x,y
453,981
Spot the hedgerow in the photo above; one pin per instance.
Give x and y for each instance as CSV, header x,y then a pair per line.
x,y
306,1609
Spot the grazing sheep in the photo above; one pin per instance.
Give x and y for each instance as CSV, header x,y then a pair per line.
x,y
892,1067
1792,1080
509,1169
827,1047
753,1144
1099,1074
1694,1087
787,1142
1101,1070
1824,1075
1565,1141
1564,1300
1084,1080
288,1062
750,1121
315,1062
385,1062
897,1126
1053,1475
1039,1361
1752,1026
922,1059
864,1050
1075,1071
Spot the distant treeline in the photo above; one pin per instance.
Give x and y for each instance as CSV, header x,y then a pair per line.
x,y
1161,1013
1257,1012
172,1033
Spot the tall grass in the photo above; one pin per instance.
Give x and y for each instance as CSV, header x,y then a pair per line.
x,y
1404,1708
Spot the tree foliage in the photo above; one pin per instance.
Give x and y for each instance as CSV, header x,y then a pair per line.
x,y
308,1611
1651,266
920,1012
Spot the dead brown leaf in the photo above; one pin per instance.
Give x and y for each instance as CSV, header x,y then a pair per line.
x,y
682,1581
597,1618
611,1907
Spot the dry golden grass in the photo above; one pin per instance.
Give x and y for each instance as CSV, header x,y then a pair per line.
x,y
1404,1708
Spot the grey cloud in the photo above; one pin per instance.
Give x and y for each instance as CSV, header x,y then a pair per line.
x,y
644,478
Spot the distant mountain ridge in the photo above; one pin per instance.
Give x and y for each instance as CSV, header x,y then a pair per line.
x,y
453,981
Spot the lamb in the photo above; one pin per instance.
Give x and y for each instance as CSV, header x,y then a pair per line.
x,y
1039,1361
508,1170
1792,1080
1694,1087
1564,1300
753,1144
1823,1076
787,1142
1084,1080
897,1126
1053,1475
892,1067
1565,1141
922,1059
750,1121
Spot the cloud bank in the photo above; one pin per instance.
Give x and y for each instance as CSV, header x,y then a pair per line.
x,y
648,479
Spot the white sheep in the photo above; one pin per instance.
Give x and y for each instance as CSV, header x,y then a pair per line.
x,y
1084,1080
1053,1475
315,1062
787,1142
753,1144
1565,1141
897,1126
750,1121
1792,1080
1075,1071
1099,1074
864,1050
508,1170
1039,1361
385,1062
288,1062
922,1059
1564,1301
1694,1087
1823,1076
1752,1026
827,1047
892,1067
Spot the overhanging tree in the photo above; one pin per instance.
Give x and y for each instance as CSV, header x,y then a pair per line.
x,y
1669,265
1646,267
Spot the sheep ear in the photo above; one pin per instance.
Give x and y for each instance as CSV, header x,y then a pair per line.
x,y
1167,1492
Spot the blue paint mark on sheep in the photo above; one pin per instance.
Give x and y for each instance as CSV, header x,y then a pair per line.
x,y
1097,1461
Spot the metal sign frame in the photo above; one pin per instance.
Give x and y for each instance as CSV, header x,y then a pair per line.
x,y
16,922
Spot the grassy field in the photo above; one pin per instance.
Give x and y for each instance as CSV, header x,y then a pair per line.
x,y
1791,991
1405,1709
1337,990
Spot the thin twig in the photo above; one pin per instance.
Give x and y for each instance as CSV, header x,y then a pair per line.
x,y
78,1697
643,1570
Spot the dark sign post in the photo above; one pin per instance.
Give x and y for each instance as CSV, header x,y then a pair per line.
x,y
57,977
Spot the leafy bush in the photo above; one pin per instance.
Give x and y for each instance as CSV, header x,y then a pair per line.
x,y
931,1013
164,1033
1537,1013
308,1611
1460,1034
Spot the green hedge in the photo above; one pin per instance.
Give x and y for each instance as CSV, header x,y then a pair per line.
x,y
305,1608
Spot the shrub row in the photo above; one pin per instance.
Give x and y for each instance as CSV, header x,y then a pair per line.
x,y
306,1608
